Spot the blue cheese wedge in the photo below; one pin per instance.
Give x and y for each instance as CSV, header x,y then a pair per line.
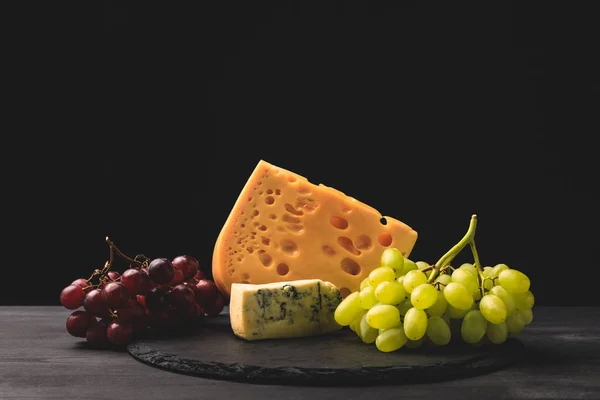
x,y
283,309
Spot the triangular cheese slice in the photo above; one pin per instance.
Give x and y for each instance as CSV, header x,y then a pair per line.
x,y
283,228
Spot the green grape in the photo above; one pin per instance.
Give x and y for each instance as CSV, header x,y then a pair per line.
x,y
414,344
515,323
488,272
404,307
413,279
438,331
422,265
498,268
367,297
446,319
456,313
383,316
423,296
506,297
514,281
458,295
524,301
392,258
364,283
348,309
409,265
415,323
365,332
473,327
381,274
391,340
400,280
527,315
439,307
354,324
390,292
470,268
444,279
488,284
466,278
497,333
493,308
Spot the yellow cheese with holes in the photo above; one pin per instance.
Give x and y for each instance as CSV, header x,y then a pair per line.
x,y
284,228
283,309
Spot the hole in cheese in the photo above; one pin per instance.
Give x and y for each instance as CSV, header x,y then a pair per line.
x,y
297,228
277,192
269,191
272,216
264,258
269,200
344,292
330,251
288,246
347,245
292,179
290,219
385,239
292,210
283,269
363,242
350,266
339,222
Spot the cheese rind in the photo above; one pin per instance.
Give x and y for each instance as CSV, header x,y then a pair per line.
x,y
283,228
283,309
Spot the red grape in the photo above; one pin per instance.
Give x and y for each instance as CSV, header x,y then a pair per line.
x,y
84,284
113,275
206,292
96,335
156,299
177,277
199,275
72,297
161,270
135,281
94,304
214,309
119,333
160,318
141,299
79,322
115,294
188,264
182,296
130,312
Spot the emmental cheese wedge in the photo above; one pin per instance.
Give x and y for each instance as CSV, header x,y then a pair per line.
x,y
283,309
283,228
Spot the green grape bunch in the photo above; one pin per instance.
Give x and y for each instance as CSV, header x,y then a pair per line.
x,y
403,303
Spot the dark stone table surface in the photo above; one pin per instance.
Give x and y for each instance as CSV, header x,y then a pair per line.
x,y
40,360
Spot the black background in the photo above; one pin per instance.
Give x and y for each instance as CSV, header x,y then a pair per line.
x,y
143,121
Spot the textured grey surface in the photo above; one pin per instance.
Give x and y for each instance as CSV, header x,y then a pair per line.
x,y
335,359
39,360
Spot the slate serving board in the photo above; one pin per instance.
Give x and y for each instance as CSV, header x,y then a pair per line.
x,y
337,359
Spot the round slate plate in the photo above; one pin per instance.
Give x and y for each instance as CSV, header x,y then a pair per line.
x,y
340,358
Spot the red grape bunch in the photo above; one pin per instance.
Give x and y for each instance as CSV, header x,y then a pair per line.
x,y
161,294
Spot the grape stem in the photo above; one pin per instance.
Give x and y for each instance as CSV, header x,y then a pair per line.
x,y
449,256
119,252
478,266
